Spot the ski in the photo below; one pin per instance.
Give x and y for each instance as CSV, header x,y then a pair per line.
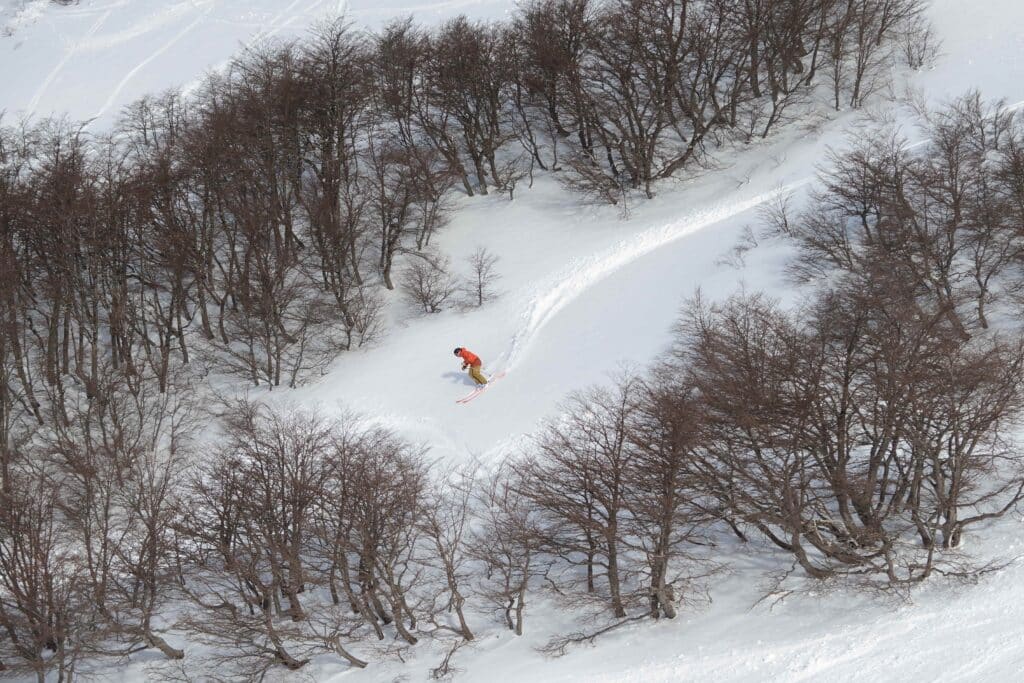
x,y
479,390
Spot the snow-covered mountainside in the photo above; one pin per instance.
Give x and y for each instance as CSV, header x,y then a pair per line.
x,y
585,293
89,59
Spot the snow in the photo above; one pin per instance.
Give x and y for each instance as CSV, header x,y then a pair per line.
x,y
584,294
90,59
949,633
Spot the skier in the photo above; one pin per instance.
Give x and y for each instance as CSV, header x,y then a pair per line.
x,y
472,361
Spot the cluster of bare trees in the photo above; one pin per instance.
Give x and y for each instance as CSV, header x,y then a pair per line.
x,y
260,212
636,90
196,229
612,501
867,431
297,537
863,432
301,537
945,217
863,435
429,285
87,537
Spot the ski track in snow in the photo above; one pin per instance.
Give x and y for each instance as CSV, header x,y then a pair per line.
x,y
93,41
112,98
279,22
149,24
586,273
90,11
275,25
70,52
560,290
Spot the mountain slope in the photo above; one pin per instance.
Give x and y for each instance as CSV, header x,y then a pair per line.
x,y
585,293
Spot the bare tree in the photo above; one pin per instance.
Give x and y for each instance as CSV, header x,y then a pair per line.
x,y
578,477
508,542
123,453
445,520
466,86
249,520
427,284
921,46
667,520
480,285
44,608
407,198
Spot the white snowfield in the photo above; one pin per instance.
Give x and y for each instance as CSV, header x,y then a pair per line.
x,y
584,294
91,58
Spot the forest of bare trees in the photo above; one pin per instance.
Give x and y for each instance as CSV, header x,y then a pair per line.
x,y
248,231
249,226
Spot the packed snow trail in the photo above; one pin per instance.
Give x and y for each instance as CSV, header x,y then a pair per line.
x,y
587,272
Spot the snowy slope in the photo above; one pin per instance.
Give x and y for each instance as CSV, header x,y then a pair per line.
x,y
91,58
584,293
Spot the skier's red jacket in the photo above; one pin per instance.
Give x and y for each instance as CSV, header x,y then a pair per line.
x,y
469,357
